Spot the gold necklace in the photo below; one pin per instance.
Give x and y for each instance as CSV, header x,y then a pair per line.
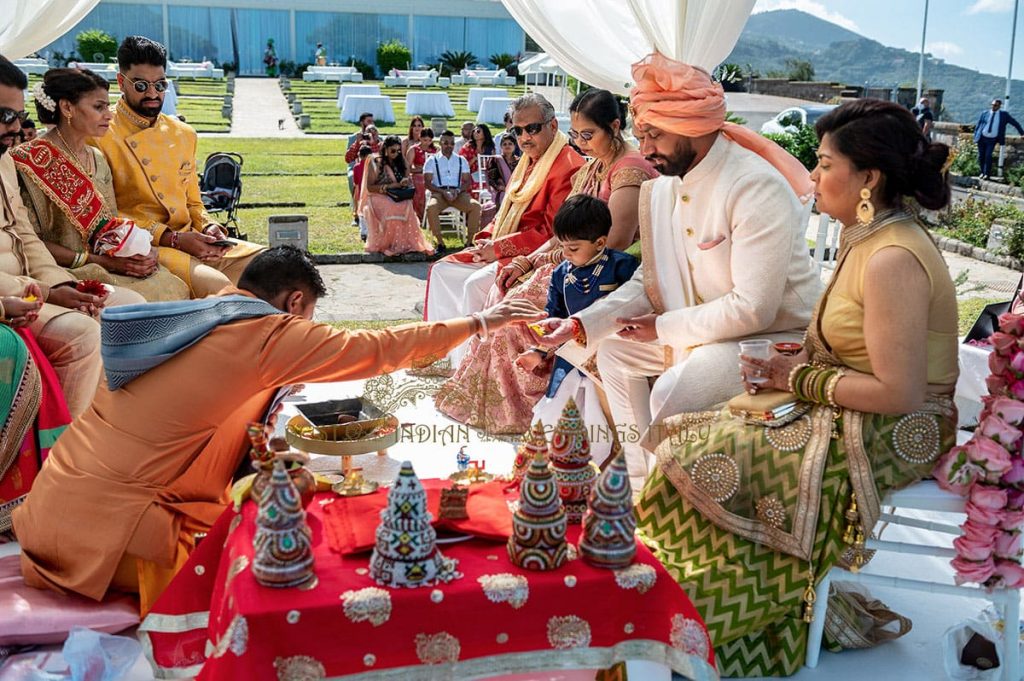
x,y
75,158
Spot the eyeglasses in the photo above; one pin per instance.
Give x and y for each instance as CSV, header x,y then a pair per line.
x,y
143,85
532,128
7,116
586,135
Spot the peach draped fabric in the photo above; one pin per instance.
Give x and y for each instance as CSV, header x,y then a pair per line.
x,y
683,100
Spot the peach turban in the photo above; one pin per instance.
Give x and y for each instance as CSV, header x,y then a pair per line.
x,y
683,100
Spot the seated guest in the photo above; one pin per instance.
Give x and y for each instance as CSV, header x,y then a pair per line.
x,y
446,175
465,135
482,144
746,517
64,327
724,258
500,172
507,118
487,391
416,157
150,466
28,130
536,191
59,174
32,408
351,157
391,224
153,157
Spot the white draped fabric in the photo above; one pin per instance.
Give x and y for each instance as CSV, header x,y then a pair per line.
x,y
30,25
698,32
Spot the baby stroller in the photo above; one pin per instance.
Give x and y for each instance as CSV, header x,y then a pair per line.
x,y
221,188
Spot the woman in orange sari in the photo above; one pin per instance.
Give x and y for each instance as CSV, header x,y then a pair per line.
x,y
488,390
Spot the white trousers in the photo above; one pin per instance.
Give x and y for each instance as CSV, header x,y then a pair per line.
x,y
456,289
708,376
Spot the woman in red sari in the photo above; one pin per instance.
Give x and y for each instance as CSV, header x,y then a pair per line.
x,y
415,157
488,390
32,408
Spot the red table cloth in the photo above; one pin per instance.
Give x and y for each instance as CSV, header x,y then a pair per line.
x,y
216,622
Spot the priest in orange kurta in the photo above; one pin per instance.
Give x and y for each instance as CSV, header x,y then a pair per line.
x,y
149,464
458,284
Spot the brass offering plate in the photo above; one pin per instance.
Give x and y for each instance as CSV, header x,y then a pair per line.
x,y
349,439
356,488
470,476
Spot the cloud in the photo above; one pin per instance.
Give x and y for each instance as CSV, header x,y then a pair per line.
x,y
991,6
944,49
818,10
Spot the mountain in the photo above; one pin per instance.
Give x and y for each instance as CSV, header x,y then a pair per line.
x,y
840,55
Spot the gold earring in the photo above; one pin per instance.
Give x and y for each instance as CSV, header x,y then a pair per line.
x,y
70,116
865,209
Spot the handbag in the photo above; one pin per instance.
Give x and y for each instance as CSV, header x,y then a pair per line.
x,y
855,620
398,194
772,408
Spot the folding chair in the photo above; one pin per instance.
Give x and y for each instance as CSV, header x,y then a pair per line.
x,y
451,221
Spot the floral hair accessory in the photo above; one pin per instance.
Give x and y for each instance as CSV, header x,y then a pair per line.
x,y
45,100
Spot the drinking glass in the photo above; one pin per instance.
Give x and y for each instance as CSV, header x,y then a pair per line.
x,y
757,348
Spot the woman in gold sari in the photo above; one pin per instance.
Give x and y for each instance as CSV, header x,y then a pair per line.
x,y
747,516
68,189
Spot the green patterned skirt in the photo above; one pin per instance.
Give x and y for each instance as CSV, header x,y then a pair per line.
x,y
746,517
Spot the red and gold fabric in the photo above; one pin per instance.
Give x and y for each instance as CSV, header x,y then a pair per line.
x,y
215,621
70,189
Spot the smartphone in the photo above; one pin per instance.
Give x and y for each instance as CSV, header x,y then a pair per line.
x,y
222,243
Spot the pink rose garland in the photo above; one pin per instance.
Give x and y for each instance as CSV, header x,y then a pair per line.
x,y
989,470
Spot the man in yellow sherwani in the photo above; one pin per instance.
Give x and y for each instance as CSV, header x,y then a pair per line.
x,y
69,338
149,465
153,159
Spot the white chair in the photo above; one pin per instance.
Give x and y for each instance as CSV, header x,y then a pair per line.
x,y
451,221
921,496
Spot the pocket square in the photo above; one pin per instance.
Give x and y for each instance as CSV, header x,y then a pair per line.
x,y
708,245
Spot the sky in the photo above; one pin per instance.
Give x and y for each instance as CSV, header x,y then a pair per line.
x,y
971,33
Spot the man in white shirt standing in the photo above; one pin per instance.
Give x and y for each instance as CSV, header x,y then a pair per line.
x,y
990,131
724,258
446,176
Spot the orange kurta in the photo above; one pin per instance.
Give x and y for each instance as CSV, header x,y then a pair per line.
x,y
161,450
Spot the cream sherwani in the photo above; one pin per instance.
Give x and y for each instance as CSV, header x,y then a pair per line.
x,y
724,258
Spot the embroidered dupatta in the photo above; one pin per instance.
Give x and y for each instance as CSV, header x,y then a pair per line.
x,y
69,187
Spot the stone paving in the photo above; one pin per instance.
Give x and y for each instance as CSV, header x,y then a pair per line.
x,y
260,110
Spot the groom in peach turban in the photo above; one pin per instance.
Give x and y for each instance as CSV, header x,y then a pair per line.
x,y
724,258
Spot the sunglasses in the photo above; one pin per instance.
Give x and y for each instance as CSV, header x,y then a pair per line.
x,y
143,85
586,135
532,128
8,116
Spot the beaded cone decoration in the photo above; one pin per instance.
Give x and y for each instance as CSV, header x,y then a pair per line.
x,y
406,552
533,442
609,523
282,550
570,461
538,526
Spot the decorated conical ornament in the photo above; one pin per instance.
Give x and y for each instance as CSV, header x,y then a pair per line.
x,y
406,552
570,461
538,526
609,524
533,442
282,551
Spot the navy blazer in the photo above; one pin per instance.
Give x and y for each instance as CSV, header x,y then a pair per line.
x,y
1004,120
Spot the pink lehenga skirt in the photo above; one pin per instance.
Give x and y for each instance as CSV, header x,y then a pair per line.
x,y
392,226
488,391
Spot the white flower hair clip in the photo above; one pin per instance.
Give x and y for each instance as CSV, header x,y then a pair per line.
x,y
44,99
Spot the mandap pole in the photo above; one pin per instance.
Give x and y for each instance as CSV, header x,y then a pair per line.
x,y
1009,79
920,60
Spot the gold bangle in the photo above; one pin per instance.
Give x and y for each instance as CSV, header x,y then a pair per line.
x,y
792,375
830,391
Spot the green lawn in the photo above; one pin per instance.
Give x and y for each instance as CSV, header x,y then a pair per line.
x,y
319,100
309,171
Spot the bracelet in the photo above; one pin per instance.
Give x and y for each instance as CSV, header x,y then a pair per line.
x,y
522,263
175,237
791,381
556,256
813,384
483,333
80,259
830,391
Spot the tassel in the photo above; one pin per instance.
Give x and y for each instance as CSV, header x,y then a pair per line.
x,y
809,598
852,517
858,552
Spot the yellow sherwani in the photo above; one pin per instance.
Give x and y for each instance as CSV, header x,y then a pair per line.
x,y
147,459
156,185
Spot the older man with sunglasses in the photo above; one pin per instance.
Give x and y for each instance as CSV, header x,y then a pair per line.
x,y
458,284
69,339
153,158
